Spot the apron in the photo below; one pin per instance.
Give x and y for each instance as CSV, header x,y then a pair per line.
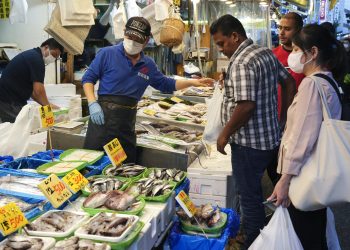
x,y
120,118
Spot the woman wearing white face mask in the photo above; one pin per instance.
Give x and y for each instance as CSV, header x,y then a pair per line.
x,y
315,52
124,73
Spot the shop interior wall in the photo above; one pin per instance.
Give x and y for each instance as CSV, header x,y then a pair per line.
x,y
32,33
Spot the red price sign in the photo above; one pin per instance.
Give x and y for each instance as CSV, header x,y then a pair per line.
x,y
11,218
46,116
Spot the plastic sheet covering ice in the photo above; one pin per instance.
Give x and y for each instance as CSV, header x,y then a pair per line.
x,y
179,240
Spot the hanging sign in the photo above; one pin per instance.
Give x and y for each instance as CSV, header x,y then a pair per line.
x,y
46,116
75,181
11,218
55,190
115,152
323,10
186,203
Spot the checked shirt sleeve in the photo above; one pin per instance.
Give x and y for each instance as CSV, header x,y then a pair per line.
x,y
244,82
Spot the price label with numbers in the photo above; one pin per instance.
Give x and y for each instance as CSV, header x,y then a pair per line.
x,y
186,203
75,181
55,190
11,218
115,152
46,116
176,99
150,112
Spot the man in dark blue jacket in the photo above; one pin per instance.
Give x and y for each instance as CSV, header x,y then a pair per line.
x,y
124,73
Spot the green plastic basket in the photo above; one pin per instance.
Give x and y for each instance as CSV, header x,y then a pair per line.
x,y
148,171
87,192
135,178
50,164
211,230
128,240
159,198
136,211
70,151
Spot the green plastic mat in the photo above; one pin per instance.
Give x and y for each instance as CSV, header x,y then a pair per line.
x,y
86,191
128,240
159,198
42,168
209,235
70,151
136,211
135,178
186,225
148,171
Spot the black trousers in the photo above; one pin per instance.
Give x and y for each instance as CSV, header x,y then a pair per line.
x,y
120,117
310,227
9,112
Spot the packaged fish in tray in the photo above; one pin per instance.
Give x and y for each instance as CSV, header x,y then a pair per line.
x,y
152,189
102,183
56,223
130,171
75,242
27,242
108,227
113,202
86,155
166,174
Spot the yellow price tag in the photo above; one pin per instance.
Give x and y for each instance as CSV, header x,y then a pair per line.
x,y
177,2
186,203
150,112
46,116
11,218
75,181
115,152
55,190
176,99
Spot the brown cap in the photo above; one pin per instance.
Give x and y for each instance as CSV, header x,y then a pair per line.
x,y
138,28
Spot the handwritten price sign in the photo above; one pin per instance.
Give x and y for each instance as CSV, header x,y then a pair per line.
x,y
11,219
46,116
115,152
75,181
55,190
186,203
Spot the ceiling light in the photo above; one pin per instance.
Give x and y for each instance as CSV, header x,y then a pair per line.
x,y
232,5
228,2
223,0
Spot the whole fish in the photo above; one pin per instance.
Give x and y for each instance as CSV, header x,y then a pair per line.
x,y
22,242
24,206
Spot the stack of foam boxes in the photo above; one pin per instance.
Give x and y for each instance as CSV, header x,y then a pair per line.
x,y
64,95
211,179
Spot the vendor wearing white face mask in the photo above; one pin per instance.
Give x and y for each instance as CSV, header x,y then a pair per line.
x,y
124,73
24,77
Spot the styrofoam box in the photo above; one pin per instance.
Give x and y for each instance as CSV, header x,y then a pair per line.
x,y
221,201
209,184
49,243
58,234
154,218
63,89
70,102
75,113
167,210
144,239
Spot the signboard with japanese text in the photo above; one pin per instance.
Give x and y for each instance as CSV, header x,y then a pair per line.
x,y
11,218
46,116
186,203
115,152
75,181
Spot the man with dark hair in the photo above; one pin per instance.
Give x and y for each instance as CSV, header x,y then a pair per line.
x,y
124,73
289,25
24,77
249,115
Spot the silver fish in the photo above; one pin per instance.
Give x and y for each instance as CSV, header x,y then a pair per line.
x,y
24,206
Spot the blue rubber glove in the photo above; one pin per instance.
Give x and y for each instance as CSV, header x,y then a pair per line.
x,y
96,113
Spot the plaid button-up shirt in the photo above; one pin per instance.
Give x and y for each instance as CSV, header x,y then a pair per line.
x,y
253,75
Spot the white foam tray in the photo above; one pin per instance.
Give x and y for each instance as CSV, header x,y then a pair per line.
x,y
81,231
48,242
61,234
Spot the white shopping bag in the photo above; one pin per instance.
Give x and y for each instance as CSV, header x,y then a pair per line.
x,y
18,11
133,9
119,21
162,8
278,234
214,126
331,233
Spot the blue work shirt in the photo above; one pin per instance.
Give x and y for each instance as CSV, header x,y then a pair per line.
x,y
119,77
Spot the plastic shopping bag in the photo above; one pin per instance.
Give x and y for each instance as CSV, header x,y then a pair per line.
x,y
133,9
214,126
278,234
162,9
18,11
331,233
119,21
